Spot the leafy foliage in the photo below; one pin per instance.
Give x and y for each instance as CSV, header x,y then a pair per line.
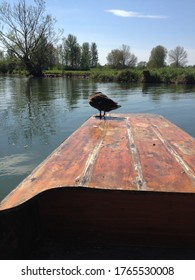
x,y
121,58
94,55
178,57
77,57
30,42
26,31
86,56
166,75
157,57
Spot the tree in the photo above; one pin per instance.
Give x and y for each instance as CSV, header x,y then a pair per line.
x,y
121,58
85,56
72,52
26,31
59,57
114,58
128,58
157,57
141,64
94,55
43,56
9,62
52,59
178,57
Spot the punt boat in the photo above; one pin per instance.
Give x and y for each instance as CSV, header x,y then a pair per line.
x,y
125,179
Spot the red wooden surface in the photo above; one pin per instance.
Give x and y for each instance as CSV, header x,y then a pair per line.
x,y
135,152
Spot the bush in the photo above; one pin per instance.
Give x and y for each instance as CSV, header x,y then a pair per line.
x,y
127,76
3,67
186,78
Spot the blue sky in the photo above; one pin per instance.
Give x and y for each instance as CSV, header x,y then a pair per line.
x,y
141,24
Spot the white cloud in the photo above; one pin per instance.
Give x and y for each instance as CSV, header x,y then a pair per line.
x,y
123,13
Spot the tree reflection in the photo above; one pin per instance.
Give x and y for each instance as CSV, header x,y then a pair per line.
x,y
32,113
173,91
35,109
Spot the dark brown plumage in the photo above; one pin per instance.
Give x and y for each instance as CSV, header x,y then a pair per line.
x,y
102,102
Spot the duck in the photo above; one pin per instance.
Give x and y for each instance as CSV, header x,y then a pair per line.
x,y
102,102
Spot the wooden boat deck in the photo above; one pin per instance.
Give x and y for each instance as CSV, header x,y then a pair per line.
x,y
134,152
125,180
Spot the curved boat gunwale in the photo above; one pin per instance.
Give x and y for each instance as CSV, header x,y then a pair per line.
x,y
116,153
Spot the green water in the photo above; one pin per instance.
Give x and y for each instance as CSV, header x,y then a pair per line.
x,y
36,115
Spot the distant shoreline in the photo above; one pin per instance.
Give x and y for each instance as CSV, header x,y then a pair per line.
x,y
163,75
166,75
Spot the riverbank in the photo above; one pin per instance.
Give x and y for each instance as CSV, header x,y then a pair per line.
x,y
165,75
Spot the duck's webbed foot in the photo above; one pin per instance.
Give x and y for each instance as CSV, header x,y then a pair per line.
x,y
100,115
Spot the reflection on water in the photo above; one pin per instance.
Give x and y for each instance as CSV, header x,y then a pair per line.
x,y
36,115
17,164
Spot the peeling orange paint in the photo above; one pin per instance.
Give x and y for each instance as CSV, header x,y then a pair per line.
x,y
139,152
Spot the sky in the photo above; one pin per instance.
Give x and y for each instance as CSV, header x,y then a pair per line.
x,y
140,24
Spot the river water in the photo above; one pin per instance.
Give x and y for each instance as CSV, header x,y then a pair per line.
x,y
36,115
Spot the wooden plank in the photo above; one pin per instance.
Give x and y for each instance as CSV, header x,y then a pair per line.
x,y
139,152
128,179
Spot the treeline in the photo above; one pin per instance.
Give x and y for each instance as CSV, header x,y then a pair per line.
x,y
123,58
69,55
31,46
30,41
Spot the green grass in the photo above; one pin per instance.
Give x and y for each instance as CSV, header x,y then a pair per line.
x,y
170,75
167,75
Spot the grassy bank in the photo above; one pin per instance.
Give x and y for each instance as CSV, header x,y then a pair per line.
x,y
163,75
